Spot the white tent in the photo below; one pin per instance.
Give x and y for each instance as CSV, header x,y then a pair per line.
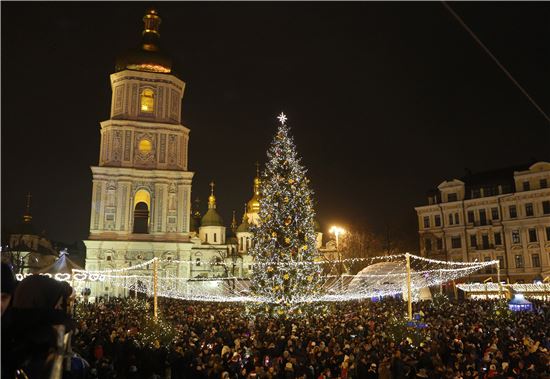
x,y
63,265
389,278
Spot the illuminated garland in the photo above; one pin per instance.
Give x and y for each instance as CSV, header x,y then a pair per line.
x,y
382,279
284,241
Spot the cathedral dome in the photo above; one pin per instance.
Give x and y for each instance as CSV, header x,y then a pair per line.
x,y
244,227
147,56
253,205
211,218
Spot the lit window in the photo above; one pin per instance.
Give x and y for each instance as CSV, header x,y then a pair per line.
x,y
147,100
145,146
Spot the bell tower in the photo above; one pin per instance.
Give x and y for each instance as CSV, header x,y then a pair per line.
x,y
141,186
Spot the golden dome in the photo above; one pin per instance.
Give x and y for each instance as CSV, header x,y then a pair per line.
x,y
253,205
211,198
147,56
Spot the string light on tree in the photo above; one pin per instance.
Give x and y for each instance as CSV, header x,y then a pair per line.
x,y
285,233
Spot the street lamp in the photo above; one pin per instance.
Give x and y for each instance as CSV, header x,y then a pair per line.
x,y
337,231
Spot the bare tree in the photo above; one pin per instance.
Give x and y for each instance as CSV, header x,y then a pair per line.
x,y
359,244
227,259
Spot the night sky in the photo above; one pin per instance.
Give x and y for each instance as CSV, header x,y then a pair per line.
x,y
385,100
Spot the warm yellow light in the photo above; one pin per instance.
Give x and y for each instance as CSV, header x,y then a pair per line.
x,y
147,100
142,196
337,231
145,146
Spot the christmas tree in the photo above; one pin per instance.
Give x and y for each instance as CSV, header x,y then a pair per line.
x,y
284,242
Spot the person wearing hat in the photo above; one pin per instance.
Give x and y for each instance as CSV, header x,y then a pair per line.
x,y
39,305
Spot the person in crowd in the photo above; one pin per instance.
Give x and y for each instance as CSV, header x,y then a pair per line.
x,y
345,340
40,306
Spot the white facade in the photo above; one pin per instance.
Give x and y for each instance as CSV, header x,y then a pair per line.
x,y
504,217
141,197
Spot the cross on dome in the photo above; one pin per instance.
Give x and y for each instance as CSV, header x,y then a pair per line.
x,y
282,118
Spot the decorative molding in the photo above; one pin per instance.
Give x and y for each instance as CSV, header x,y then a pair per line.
x,y
127,144
162,148
148,80
97,205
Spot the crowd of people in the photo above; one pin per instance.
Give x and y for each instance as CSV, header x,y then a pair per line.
x,y
464,339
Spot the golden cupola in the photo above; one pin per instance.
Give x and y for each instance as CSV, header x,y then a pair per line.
x,y
148,55
211,217
253,205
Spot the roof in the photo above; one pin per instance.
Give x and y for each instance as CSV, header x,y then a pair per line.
x,y
211,218
519,300
147,56
244,227
61,266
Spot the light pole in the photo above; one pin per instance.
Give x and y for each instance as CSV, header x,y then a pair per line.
x,y
337,231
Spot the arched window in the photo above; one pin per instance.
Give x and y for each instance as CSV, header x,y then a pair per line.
x,y
215,237
142,202
147,100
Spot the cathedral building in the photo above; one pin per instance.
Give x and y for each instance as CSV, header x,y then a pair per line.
x,y
141,199
28,251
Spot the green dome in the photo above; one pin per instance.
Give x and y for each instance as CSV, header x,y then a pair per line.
x,y
211,218
244,227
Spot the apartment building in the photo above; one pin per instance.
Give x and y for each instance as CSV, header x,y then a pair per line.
x,y
495,215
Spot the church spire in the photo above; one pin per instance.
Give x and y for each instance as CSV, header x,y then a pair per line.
x,y
151,22
212,198
27,217
233,223
196,210
244,214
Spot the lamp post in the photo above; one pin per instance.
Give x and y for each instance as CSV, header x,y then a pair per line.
x,y
337,231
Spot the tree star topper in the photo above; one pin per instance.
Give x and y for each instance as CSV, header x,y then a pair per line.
x,y
282,118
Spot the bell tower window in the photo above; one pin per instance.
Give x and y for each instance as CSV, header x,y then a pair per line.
x,y
145,146
147,100
142,203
